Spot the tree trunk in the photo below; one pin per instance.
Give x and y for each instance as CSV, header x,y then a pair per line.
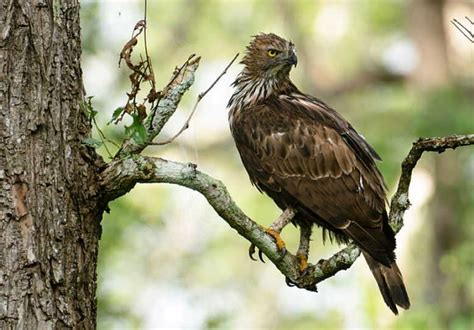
x,y
49,205
427,30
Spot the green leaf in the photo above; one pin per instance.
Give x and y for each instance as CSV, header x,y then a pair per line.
x,y
93,112
116,114
83,106
140,134
91,142
136,131
87,107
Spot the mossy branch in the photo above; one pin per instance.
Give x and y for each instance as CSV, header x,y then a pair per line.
x,y
121,175
400,202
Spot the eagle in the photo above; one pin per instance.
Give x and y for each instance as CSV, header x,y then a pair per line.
x,y
311,161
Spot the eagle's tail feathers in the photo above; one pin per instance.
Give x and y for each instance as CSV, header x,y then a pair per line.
x,y
390,282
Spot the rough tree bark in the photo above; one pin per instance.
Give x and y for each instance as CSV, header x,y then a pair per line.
x,y
49,206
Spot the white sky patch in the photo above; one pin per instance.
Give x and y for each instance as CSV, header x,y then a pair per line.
x,y
342,294
332,22
400,57
117,17
210,121
99,75
169,307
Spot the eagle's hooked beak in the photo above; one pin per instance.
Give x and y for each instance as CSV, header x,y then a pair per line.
x,y
292,59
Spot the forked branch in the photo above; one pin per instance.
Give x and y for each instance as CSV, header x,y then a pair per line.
x,y
122,174
181,80
400,203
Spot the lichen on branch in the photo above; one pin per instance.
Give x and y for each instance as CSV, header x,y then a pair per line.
x,y
121,175
400,202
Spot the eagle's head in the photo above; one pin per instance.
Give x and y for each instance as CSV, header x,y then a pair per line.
x,y
269,56
267,62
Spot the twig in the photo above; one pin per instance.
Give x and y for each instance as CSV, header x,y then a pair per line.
x,y
144,32
104,138
199,98
165,90
283,219
148,59
463,30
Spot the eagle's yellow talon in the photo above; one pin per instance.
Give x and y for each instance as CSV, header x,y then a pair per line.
x,y
278,240
303,262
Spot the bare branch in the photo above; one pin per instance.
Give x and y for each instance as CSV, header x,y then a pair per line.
x,y
181,80
400,203
121,175
199,98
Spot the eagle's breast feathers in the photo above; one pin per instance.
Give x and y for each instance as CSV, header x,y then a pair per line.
x,y
296,147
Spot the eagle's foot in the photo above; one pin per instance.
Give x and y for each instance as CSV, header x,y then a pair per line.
x,y
290,283
280,243
252,252
274,231
302,261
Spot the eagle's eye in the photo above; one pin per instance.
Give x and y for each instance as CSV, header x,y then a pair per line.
x,y
272,52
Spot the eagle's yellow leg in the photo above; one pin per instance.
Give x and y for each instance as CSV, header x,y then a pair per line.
x,y
274,230
303,262
302,253
303,249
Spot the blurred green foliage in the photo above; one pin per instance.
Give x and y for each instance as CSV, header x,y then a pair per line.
x,y
167,260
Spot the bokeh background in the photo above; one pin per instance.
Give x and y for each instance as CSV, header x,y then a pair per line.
x,y
397,70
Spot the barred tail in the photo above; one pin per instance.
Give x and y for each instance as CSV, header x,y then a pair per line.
x,y
390,282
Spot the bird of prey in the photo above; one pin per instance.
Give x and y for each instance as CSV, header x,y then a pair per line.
x,y
311,162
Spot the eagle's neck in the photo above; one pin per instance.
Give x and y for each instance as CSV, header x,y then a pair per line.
x,y
251,89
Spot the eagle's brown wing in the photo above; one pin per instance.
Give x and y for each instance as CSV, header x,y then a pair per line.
x,y
301,152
